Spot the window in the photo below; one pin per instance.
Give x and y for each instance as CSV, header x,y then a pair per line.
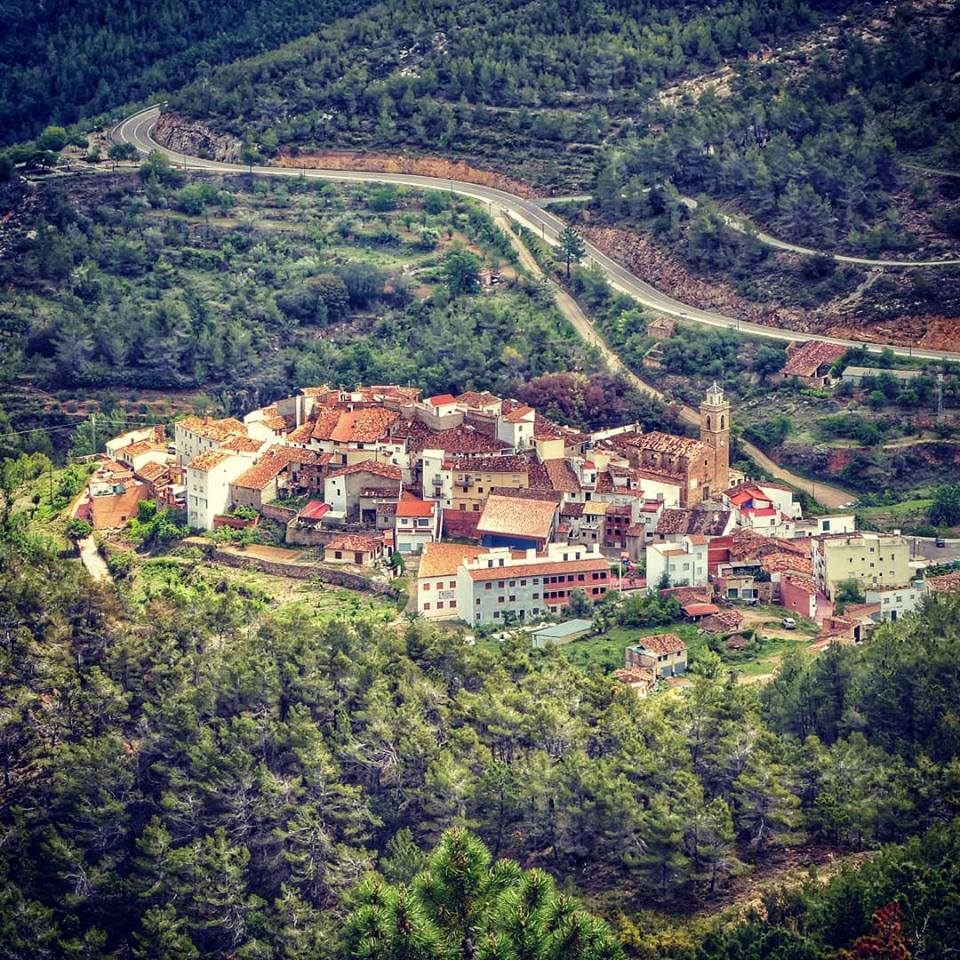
x,y
453,584
453,604
439,604
487,586
536,596
500,599
523,583
426,586
496,614
478,601
426,606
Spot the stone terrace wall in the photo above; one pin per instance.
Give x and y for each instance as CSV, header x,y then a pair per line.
x,y
303,571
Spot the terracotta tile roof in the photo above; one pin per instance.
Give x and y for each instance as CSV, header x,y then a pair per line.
x,y
142,446
113,467
780,562
635,676
492,465
363,426
460,523
277,423
301,434
724,621
947,582
152,472
267,468
355,542
464,439
540,568
687,594
242,444
544,429
314,510
374,467
700,609
662,643
212,429
660,476
416,508
800,580
518,414
443,559
441,400
472,398
562,476
710,523
572,510
805,360
517,516
667,443
208,460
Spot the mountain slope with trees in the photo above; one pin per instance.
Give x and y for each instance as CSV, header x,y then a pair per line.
x,y
64,60
188,773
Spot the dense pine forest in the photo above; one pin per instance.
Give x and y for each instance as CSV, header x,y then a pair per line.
x,y
189,771
66,60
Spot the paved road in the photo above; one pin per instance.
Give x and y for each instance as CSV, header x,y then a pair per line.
x,y
744,225
831,497
136,129
927,547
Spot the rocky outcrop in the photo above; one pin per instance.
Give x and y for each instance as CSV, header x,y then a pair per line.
x,y
195,139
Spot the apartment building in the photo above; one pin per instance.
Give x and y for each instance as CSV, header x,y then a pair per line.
x,y
505,586
871,559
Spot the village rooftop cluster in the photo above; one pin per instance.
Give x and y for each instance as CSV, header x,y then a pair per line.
x,y
506,514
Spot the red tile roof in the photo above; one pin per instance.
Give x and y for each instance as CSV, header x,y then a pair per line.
x,y
700,609
667,443
355,542
540,568
517,516
562,476
374,467
208,460
441,400
314,510
416,508
662,643
805,360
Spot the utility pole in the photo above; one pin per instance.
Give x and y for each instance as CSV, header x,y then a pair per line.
x,y
93,424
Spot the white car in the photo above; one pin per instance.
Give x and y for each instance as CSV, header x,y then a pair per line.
x,y
789,623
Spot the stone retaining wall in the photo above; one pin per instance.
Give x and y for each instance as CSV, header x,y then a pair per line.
x,y
303,571
280,514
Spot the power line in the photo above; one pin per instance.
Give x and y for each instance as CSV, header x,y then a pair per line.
x,y
76,426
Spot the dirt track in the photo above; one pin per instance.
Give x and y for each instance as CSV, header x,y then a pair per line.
x,y
831,497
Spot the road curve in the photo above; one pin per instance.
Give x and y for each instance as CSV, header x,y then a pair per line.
x,y
136,129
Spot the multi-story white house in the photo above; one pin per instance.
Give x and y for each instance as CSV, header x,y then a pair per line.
x,y
682,564
208,485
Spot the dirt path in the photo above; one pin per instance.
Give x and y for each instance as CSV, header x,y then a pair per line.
x,y
90,557
831,497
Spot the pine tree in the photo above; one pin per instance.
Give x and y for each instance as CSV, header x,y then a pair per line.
x,y
572,248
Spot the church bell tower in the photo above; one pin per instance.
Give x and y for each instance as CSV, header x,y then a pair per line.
x,y
715,435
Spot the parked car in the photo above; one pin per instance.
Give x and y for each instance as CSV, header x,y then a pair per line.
x,y
789,623
940,542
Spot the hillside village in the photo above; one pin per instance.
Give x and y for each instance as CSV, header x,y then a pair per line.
x,y
509,519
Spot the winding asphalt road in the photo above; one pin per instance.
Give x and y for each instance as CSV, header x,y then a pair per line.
x,y
137,129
